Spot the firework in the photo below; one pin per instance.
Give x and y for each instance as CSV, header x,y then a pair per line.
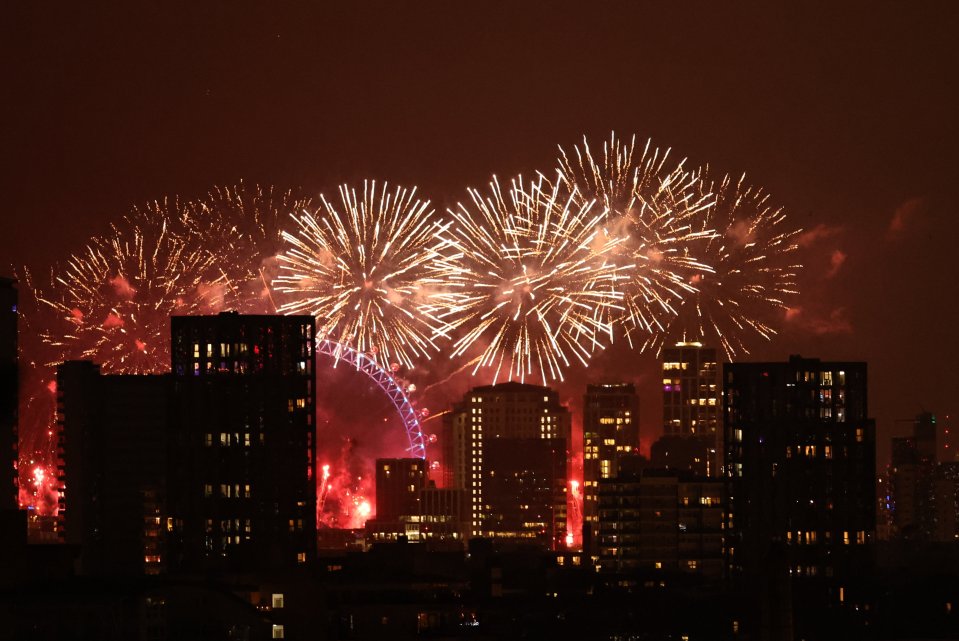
x,y
752,273
343,489
365,267
114,298
242,225
658,210
527,281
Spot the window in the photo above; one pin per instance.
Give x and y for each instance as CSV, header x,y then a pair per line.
x,y
278,632
277,601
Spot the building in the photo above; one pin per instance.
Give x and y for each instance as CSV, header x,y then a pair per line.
x,y
661,522
438,515
242,489
112,433
922,490
485,432
398,484
9,390
692,408
801,471
610,431
693,454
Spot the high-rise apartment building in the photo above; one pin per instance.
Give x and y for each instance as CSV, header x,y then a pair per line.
x,y
9,387
692,410
610,431
801,473
242,480
486,432
112,436
659,521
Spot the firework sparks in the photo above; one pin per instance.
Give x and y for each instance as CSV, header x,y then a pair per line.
x,y
242,224
528,284
656,208
575,521
365,268
114,298
752,274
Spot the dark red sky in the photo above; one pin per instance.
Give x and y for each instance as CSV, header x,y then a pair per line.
x,y
846,115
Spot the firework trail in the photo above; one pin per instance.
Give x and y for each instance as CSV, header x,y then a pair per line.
x,y
657,209
752,271
365,267
527,283
242,225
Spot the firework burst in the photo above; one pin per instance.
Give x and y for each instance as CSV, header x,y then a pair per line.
x,y
242,224
752,272
113,299
365,267
528,284
658,210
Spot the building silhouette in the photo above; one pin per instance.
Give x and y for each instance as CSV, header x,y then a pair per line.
x,y
610,431
800,466
242,491
505,441
922,502
398,484
661,522
692,410
112,436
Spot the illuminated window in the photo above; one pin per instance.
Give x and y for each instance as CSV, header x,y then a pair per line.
x,y
278,632
277,601
859,435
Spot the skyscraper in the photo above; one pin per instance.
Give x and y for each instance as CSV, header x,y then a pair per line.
x,y
9,373
692,391
488,431
243,490
610,430
800,466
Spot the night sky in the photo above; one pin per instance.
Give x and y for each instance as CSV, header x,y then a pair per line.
x,y
846,115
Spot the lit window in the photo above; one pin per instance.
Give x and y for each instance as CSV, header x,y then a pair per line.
x,y
278,632
277,601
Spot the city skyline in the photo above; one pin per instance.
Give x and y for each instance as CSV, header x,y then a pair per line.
x,y
853,141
